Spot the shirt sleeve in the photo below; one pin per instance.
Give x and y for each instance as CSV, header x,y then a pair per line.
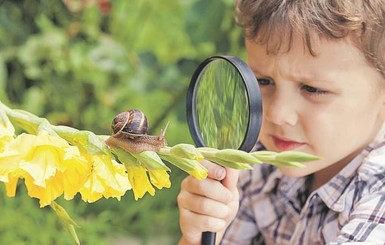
x,y
366,224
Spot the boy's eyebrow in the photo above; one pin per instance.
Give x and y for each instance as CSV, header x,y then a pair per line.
x,y
312,77
302,75
305,78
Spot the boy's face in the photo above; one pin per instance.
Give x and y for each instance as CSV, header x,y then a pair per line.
x,y
330,105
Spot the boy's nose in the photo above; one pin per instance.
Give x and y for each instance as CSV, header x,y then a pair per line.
x,y
281,110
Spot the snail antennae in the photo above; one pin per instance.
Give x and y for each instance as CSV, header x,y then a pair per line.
x,y
163,131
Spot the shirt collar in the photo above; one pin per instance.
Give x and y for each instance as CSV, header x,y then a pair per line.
x,y
334,192
287,187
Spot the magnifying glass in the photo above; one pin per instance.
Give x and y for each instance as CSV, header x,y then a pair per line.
x,y
224,108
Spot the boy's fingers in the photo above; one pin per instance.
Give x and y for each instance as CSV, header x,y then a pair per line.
x,y
215,171
231,179
202,205
200,223
228,176
210,188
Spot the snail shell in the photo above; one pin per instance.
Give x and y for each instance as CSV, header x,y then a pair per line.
x,y
130,133
132,123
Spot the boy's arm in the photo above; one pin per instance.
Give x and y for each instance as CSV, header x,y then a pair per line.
x,y
366,223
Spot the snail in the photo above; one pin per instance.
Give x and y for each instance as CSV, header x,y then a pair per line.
x,y
130,130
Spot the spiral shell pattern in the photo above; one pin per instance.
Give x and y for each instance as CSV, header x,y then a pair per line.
x,y
130,133
132,122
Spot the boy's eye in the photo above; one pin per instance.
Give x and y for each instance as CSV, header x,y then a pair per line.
x,y
263,81
312,90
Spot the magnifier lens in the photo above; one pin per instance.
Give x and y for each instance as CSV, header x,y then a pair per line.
x,y
222,105
224,108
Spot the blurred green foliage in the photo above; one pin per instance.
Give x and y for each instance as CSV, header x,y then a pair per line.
x,y
80,62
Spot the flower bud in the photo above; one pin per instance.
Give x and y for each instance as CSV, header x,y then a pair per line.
x,y
265,156
296,156
150,160
66,220
232,155
229,164
186,151
191,167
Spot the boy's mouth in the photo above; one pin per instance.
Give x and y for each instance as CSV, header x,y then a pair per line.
x,y
283,144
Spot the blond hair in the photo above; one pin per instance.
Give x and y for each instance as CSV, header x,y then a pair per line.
x,y
274,22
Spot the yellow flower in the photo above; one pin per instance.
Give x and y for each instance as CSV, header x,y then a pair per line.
x,y
159,178
47,194
10,159
48,164
107,179
41,163
9,163
142,166
10,181
4,140
139,181
74,172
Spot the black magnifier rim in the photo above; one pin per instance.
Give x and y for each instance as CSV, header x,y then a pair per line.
x,y
253,96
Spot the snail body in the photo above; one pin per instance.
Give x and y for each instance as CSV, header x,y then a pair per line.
x,y
130,130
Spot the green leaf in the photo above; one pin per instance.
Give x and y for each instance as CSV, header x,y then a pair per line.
x,y
66,220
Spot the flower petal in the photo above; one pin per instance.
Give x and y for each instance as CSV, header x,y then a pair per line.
x,y
139,181
46,194
41,163
160,178
75,170
107,178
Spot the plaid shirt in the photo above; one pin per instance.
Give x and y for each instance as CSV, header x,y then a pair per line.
x,y
350,208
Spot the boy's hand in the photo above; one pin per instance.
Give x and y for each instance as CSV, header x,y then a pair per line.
x,y
208,205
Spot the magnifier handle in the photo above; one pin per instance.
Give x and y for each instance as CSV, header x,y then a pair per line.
x,y
208,238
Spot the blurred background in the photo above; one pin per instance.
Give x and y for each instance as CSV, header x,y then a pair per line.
x,y
80,62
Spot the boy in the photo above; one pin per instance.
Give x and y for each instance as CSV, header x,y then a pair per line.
x,y
320,66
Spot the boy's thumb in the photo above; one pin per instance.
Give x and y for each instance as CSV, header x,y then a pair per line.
x,y
231,178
